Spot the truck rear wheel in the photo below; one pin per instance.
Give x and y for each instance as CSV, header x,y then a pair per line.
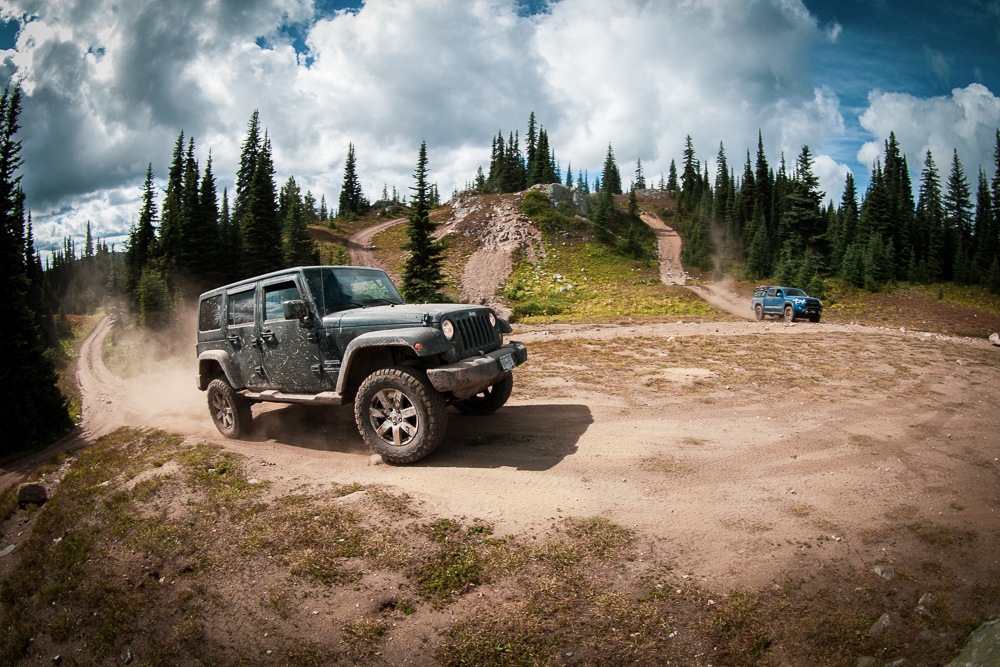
x,y
789,314
758,312
489,400
230,411
400,414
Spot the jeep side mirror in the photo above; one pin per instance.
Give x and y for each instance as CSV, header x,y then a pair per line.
x,y
295,309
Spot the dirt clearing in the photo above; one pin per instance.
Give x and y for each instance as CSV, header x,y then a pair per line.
x,y
704,437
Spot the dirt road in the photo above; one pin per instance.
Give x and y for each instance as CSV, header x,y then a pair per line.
x,y
359,244
672,271
668,249
721,468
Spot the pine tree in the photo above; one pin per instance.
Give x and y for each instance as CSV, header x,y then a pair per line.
x,y
352,201
930,218
33,411
170,221
640,179
423,278
298,248
261,232
721,202
188,244
611,179
229,244
898,204
529,149
690,176
142,236
672,178
802,220
985,250
249,158
957,209
210,267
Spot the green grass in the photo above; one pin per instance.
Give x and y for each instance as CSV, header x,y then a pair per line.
x,y
583,280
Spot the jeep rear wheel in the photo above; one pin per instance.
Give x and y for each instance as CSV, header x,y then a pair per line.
x,y
489,400
400,415
789,314
758,312
230,411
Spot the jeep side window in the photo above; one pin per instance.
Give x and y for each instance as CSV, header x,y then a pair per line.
x,y
241,308
210,314
275,295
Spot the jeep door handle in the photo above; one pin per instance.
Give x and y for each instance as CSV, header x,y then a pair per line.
x,y
233,340
267,334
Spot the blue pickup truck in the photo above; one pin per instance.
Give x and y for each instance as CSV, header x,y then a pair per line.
x,y
787,302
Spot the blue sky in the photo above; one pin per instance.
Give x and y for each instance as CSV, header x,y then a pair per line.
x,y
109,86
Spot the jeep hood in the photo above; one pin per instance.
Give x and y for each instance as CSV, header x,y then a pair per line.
x,y
407,314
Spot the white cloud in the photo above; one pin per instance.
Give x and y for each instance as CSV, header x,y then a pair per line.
x,y
832,177
965,121
111,84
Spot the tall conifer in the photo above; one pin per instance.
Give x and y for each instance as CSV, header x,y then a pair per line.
x,y
423,278
32,410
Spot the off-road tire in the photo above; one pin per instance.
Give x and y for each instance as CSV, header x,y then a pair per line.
x,y
814,318
489,400
789,314
400,414
230,411
758,312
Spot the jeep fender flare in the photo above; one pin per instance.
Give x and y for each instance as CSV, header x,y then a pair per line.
x,y
431,341
220,357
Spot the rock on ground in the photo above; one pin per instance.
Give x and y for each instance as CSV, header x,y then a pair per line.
x,y
32,493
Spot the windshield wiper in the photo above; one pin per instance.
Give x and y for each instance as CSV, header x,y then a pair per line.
x,y
379,300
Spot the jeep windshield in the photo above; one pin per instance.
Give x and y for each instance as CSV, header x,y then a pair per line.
x,y
338,288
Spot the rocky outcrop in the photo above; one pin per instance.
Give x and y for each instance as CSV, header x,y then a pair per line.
x,y
560,194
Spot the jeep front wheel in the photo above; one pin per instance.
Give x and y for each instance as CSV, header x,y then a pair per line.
x,y
230,411
400,415
789,314
489,400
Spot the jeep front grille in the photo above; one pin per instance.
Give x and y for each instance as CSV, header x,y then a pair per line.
x,y
476,332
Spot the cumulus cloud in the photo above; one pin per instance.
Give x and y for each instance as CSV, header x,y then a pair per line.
x,y
965,121
110,85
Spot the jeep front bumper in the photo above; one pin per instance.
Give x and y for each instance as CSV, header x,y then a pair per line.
x,y
470,376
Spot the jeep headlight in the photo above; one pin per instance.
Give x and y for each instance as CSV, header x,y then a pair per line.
x,y
448,329
493,320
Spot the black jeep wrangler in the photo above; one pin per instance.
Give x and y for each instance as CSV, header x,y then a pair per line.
x,y
330,335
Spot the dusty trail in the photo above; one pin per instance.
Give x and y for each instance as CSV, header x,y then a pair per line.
x,y
672,271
